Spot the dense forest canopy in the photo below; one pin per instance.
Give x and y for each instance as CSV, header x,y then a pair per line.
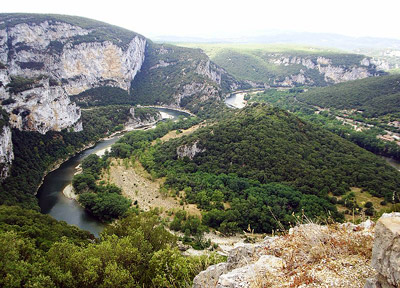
x,y
242,158
374,96
271,145
38,251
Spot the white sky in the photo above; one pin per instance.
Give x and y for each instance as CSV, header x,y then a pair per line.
x,y
224,18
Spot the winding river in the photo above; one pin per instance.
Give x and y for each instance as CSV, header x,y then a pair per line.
x,y
50,194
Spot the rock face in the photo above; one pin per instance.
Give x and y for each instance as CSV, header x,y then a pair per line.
x,y
310,255
330,72
189,150
136,121
6,152
386,252
43,108
72,60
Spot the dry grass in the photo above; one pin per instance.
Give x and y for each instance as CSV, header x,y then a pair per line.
x,y
137,185
361,197
175,134
321,256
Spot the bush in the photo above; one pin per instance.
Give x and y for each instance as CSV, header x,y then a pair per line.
x,y
105,206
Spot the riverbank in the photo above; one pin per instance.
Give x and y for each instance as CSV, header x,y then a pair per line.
x,y
59,162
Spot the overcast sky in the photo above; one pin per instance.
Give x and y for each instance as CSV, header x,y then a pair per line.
x,y
223,18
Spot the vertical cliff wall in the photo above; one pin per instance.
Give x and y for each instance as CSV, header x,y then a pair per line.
x,y
45,61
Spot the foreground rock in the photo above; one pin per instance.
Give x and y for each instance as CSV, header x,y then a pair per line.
x,y
386,252
309,255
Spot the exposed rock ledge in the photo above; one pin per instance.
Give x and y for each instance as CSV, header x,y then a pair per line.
x,y
309,255
189,150
6,152
386,253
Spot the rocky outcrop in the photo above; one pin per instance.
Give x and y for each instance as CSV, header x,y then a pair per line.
x,y
309,255
189,150
332,73
386,253
202,90
6,152
180,77
43,108
144,120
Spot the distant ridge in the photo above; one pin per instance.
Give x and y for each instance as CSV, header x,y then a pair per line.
x,y
305,38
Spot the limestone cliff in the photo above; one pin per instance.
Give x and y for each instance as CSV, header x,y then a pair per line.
x,y
71,57
330,70
189,150
6,151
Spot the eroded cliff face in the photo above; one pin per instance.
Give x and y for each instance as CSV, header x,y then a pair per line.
x,y
331,72
43,108
6,152
68,62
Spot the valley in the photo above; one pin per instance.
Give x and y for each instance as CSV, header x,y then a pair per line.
x,y
126,162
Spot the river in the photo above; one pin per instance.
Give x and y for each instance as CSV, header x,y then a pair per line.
x,y
236,100
392,162
53,202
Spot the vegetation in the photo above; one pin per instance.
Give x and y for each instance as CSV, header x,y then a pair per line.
x,y
257,62
41,229
191,226
35,153
102,96
246,156
374,96
103,201
367,138
135,252
3,118
159,85
19,84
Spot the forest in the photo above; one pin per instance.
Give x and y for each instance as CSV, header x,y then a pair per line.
x,y
375,96
367,139
137,251
265,163
35,153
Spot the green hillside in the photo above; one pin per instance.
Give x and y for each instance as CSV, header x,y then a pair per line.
x,y
258,62
375,96
159,84
264,158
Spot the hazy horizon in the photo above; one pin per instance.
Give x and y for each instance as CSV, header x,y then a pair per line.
x,y
226,19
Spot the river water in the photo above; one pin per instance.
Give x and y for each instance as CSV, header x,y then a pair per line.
x,y
53,202
236,100
392,162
